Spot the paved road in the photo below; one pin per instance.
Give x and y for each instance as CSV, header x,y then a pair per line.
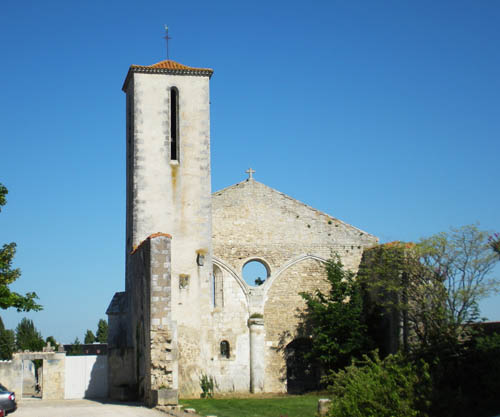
x,y
81,408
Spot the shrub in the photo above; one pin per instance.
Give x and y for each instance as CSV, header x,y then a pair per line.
x,y
373,387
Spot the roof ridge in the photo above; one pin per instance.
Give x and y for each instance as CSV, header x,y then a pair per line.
x,y
173,65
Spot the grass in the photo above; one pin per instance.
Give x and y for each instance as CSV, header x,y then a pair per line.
x,y
283,406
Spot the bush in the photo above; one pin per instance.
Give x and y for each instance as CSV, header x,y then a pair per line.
x,y
373,387
467,383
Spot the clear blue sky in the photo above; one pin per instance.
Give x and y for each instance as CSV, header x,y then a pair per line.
x,y
384,114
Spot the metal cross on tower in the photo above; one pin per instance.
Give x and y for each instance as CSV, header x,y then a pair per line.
x,y
250,172
166,37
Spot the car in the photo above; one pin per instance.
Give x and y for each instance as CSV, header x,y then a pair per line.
x,y
7,400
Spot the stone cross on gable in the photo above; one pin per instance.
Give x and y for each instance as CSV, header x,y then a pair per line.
x,y
250,172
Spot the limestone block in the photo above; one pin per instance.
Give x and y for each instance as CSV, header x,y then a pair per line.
x,y
324,406
164,397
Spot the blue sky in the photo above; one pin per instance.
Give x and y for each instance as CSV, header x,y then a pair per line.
x,y
383,114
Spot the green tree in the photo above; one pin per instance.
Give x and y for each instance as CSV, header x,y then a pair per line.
x,y
102,331
89,337
8,275
334,320
7,342
28,337
52,341
436,284
76,348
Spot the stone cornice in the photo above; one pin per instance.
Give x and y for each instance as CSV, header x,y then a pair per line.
x,y
197,72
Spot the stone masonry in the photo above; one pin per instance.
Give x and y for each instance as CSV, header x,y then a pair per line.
x,y
186,311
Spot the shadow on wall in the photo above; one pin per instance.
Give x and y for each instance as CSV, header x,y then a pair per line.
x,y
98,379
86,376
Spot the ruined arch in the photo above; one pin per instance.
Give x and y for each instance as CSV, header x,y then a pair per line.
x,y
302,375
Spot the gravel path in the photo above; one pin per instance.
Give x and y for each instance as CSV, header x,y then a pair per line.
x,y
82,408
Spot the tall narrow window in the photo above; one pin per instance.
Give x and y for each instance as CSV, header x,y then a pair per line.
x,y
174,124
225,350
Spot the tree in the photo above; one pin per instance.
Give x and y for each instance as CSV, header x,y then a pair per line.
x,y
102,331
76,348
8,275
334,320
89,337
7,342
52,341
436,284
28,337
495,242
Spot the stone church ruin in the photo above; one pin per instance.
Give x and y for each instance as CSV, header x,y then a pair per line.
x,y
186,311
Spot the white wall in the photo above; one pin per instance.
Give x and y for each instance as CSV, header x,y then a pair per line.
x,y
86,377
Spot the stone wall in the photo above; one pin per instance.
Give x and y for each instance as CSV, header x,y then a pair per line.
x,y
11,375
173,195
252,221
151,318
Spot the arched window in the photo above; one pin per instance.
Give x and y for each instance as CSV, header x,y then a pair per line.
x,y
174,124
255,272
225,349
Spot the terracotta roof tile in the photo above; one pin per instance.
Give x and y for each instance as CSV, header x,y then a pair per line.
x,y
172,65
167,67
158,234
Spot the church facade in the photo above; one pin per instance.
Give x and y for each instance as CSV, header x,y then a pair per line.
x,y
186,312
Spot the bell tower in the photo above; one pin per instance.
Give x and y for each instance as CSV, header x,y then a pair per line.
x,y
168,154
169,198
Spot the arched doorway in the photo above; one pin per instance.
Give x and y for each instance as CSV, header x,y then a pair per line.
x,y
302,375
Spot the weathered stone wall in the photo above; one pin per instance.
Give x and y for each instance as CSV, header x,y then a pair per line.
x,y
162,366
282,312
54,371
171,195
177,314
254,222
11,375
229,323
150,317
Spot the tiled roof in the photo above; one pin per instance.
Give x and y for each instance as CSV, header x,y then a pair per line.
x,y
167,67
172,65
158,234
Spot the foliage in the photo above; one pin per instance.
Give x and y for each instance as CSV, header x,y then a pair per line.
x,y
52,341
8,275
381,388
76,348
89,337
494,241
334,320
7,344
102,331
435,284
466,383
262,406
28,337
207,385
